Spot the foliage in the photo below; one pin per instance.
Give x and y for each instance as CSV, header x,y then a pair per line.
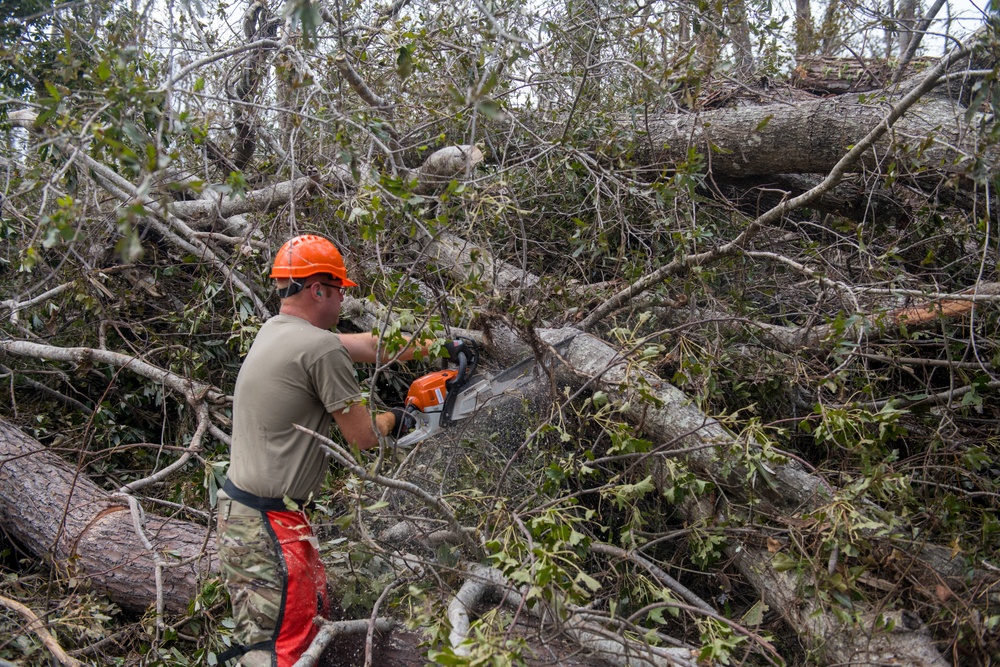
x,y
791,341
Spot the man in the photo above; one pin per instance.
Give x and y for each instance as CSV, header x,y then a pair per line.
x,y
298,371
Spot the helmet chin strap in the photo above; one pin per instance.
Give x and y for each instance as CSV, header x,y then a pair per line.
x,y
294,287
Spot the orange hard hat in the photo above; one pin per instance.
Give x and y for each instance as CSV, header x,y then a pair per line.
x,y
307,255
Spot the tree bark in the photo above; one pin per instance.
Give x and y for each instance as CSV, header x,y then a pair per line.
x,y
805,42
444,165
739,27
264,199
821,338
244,85
471,262
811,137
905,21
830,33
67,520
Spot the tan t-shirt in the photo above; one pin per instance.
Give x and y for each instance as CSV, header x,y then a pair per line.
x,y
295,373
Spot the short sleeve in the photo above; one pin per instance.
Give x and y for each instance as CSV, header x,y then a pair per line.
x,y
333,378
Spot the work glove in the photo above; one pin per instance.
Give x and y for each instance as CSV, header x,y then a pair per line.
x,y
405,422
454,347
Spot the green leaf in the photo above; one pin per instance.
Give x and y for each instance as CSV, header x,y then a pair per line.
x,y
129,247
490,83
311,18
755,614
28,260
457,96
762,124
971,398
237,183
588,581
53,91
51,237
656,615
783,562
490,109
404,62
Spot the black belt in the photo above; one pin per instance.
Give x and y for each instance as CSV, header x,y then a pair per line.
x,y
258,503
238,651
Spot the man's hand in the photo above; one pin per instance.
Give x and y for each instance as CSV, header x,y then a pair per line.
x,y
405,422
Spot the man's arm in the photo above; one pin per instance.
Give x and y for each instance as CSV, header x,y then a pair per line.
x,y
355,424
362,347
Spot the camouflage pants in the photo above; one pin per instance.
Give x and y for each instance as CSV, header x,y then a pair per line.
x,y
276,582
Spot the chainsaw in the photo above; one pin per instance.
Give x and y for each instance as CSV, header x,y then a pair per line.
x,y
438,400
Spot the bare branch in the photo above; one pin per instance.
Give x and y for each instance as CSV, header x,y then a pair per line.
x,y
37,625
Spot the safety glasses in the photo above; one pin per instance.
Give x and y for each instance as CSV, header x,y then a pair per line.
x,y
339,288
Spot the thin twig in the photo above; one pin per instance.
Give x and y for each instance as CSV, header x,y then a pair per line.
x,y
373,618
656,571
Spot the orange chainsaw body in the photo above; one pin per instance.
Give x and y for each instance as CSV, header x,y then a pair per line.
x,y
429,391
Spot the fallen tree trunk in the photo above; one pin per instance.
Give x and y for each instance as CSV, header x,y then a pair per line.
x,y
811,137
472,262
62,517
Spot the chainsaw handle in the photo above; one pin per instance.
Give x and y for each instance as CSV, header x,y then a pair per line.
x,y
463,365
468,359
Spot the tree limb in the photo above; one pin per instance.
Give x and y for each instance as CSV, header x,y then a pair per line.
x,y
36,625
330,629
194,392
